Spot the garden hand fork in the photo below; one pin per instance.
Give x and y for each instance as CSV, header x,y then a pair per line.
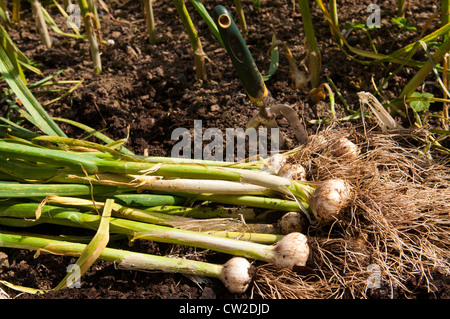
x,y
252,79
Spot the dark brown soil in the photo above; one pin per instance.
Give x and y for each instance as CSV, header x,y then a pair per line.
x,y
146,91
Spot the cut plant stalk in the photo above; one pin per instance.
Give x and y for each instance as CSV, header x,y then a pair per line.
x,y
16,11
314,56
297,78
150,21
199,55
159,159
235,274
249,182
224,226
241,16
41,26
401,6
93,10
292,250
88,18
175,198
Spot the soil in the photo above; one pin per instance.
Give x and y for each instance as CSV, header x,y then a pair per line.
x,y
147,90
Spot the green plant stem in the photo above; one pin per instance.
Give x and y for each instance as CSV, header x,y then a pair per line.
x,y
249,200
93,132
88,17
63,11
445,12
40,117
176,160
144,201
121,258
174,216
266,239
370,39
420,76
150,21
344,102
199,55
4,17
167,203
314,55
139,230
334,15
445,79
11,53
401,6
91,164
20,190
241,16
16,11
93,9
203,212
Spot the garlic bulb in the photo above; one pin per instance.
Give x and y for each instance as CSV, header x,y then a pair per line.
x,y
345,148
297,78
317,143
291,250
276,162
237,275
293,171
329,199
290,222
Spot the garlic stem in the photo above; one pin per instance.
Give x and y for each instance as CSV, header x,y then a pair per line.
x,y
236,273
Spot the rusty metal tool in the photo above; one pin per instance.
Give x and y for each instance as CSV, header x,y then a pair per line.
x,y
252,79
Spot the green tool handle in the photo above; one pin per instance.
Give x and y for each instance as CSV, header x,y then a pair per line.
x,y
240,55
